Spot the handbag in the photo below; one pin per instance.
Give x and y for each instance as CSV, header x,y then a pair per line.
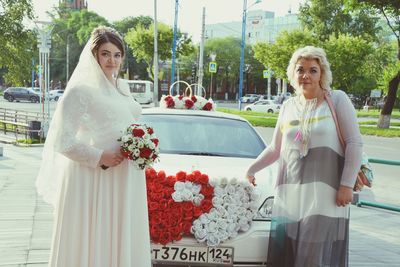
x,y
365,175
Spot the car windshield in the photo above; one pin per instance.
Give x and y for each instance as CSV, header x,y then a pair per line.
x,y
209,136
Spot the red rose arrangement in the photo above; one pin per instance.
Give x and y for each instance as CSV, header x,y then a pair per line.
x,y
170,219
140,145
190,204
187,102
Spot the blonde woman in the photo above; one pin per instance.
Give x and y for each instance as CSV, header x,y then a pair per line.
x,y
310,225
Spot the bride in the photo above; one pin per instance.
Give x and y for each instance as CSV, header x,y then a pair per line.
x,y
99,198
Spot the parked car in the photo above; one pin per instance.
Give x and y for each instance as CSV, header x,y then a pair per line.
x,y
21,93
36,89
249,98
269,106
55,94
219,145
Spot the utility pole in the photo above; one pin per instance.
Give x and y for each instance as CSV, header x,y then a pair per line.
x,y
201,68
155,63
44,43
174,42
67,67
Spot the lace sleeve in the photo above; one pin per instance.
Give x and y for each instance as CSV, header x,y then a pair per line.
x,y
272,152
73,108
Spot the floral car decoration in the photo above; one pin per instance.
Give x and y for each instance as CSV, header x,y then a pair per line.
x,y
212,211
140,145
187,102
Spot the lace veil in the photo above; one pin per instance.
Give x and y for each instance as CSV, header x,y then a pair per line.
x,y
87,82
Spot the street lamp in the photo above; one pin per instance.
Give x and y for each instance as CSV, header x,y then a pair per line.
x,y
243,44
174,42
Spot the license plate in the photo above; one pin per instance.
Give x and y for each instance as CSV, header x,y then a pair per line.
x,y
188,254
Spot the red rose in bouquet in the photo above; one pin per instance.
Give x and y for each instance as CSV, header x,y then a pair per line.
x,y
140,145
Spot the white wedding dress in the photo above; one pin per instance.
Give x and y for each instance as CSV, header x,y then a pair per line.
x,y
101,216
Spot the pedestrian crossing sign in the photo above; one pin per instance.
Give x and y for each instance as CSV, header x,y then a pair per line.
x,y
212,67
267,74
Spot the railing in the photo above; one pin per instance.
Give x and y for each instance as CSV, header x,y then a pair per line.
x,y
360,203
19,122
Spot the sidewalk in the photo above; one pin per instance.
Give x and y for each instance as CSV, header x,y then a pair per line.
x,y
26,221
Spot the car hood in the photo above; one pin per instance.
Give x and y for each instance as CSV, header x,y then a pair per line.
x,y
218,167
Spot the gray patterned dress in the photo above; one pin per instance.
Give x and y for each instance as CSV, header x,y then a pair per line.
x,y
308,228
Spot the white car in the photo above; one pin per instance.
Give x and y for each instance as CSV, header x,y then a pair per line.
x,y
269,106
249,98
222,146
55,94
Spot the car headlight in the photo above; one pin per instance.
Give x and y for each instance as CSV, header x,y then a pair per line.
x,y
264,213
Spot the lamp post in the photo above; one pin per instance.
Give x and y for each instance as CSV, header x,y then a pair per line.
x,y
44,45
155,96
243,44
174,42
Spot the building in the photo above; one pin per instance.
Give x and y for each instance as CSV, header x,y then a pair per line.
x,y
261,26
74,4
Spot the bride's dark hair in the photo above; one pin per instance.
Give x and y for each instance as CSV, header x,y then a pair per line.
x,y
102,35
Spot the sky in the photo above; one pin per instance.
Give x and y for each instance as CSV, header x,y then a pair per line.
x,y
189,15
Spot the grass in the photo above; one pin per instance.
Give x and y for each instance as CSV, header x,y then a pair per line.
x,y
392,123
30,141
391,132
374,113
269,120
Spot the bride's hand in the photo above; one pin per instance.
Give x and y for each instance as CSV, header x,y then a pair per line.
x,y
251,179
111,158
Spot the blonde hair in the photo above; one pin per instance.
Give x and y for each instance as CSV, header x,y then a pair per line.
x,y
310,52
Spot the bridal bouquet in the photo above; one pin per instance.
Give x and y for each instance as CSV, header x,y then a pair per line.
x,y
140,145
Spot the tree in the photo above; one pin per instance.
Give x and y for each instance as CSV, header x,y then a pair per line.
x,y
135,69
348,56
141,41
331,17
355,63
72,29
390,10
18,43
227,51
277,55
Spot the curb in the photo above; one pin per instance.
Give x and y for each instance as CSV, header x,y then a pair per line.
x,y
2,141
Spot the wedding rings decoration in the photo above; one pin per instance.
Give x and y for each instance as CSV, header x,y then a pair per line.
x,y
187,100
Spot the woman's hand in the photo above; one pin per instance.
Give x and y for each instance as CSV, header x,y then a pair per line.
x,y
344,196
251,179
111,158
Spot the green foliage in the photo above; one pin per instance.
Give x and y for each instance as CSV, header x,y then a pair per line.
x,y
276,56
388,74
83,22
347,56
227,51
331,17
124,25
18,44
137,70
141,40
73,29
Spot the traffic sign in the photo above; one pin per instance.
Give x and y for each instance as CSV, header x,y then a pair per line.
x,y
267,74
212,67
376,93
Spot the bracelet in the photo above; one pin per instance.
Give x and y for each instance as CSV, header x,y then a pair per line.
x,y
104,167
